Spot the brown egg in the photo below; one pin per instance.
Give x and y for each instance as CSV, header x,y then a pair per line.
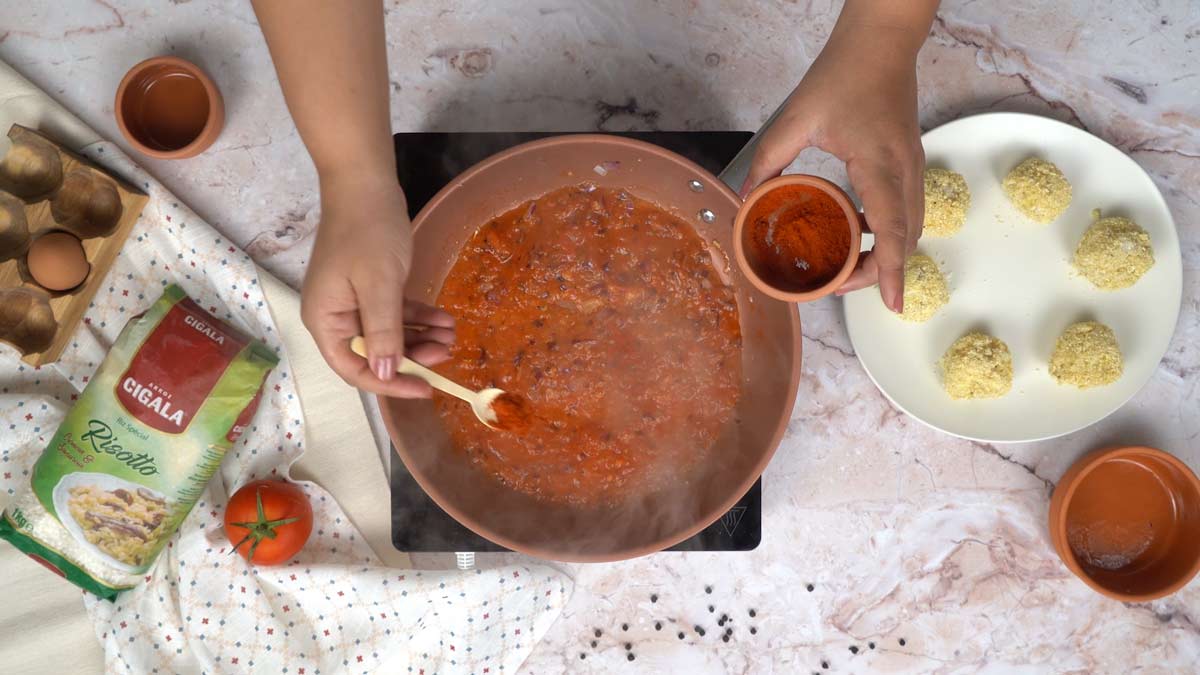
x,y
57,261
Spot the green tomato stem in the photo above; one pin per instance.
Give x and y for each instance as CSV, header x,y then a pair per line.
x,y
260,529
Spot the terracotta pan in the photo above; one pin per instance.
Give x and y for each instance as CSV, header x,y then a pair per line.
x,y
770,356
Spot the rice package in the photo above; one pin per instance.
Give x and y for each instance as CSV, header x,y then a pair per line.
x,y
135,453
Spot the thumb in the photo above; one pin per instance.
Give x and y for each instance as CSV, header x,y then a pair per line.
x,y
382,316
775,151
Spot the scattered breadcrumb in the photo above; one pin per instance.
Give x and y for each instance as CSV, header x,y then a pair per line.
x,y
947,199
977,365
925,290
1087,355
1038,189
1114,253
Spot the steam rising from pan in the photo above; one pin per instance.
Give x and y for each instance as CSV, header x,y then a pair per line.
x,y
657,520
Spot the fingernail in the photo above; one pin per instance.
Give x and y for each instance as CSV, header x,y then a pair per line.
x,y
383,368
897,302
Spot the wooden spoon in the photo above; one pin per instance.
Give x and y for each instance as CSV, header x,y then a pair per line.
x,y
480,401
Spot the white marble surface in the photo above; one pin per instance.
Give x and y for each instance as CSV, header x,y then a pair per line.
x,y
904,533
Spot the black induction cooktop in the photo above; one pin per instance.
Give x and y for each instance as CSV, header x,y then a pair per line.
x,y
426,162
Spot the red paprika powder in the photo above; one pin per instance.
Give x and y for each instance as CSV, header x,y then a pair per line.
x,y
513,413
797,238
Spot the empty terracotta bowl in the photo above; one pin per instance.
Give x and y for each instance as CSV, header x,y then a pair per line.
x,y
1125,521
784,245
168,108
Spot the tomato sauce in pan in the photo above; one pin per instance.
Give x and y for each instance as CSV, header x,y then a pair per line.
x,y
605,312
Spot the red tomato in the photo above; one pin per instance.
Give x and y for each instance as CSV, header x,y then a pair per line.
x,y
268,521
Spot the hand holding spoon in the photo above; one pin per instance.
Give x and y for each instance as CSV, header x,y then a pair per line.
x,y
513,413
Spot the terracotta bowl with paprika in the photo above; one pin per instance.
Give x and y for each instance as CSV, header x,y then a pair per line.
x,y
797,237
1124,521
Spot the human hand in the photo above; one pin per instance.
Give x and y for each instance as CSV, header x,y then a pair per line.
x,y
355,286
858,102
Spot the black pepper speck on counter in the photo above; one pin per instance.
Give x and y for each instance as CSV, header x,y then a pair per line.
x,y
658,626
871,645
629,656
724,638
752,614
824,665
624,626
901,642
628,646
711,609
708,589
594,643
810,588
699,631
653,598
582,656
853,649
598,633
753,630
680,635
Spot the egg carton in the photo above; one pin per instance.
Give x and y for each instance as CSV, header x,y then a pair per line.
x,y
45,188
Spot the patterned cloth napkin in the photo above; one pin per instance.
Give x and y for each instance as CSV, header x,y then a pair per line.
x,y
333,609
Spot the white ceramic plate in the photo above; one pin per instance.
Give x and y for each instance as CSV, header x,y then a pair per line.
x,y
62,493
1013,279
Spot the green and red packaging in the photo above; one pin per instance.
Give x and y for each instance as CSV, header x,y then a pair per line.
x,y
138,448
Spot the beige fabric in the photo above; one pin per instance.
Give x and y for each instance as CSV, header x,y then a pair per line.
x,y
339,446
43,626
23,103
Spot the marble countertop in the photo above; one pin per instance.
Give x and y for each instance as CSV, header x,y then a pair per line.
x,y
886,546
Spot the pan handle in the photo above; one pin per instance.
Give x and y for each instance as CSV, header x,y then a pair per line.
x,y
734,173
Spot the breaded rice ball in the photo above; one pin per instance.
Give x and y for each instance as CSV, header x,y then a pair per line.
x,y
925,290
1114,253
1038,189
977,365
1086,355
947,199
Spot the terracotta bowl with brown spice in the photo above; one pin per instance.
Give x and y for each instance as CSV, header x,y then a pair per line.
x,y
1125,521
